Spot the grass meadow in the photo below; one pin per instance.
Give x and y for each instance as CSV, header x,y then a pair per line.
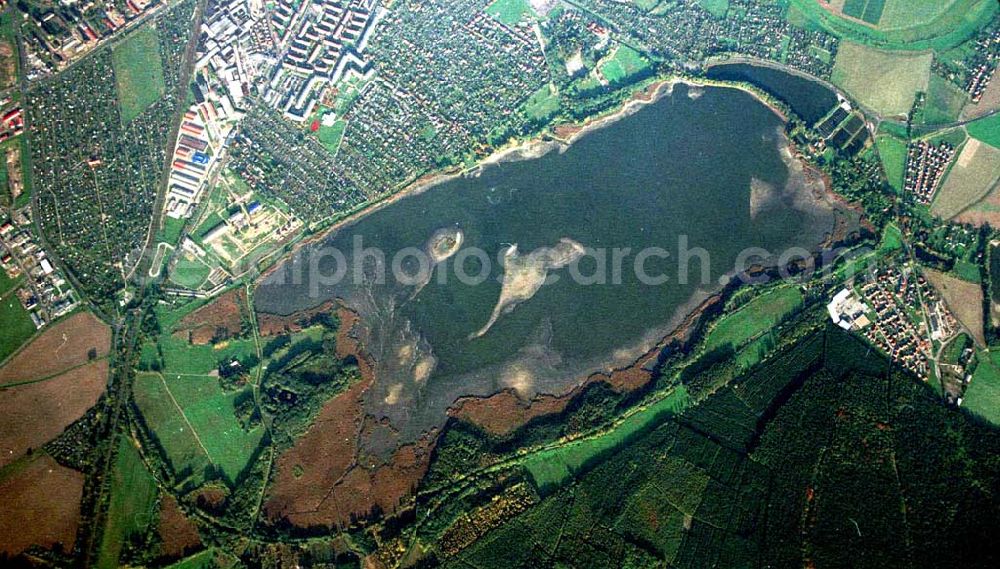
x,y
986,130
553,467
884,81
971,177
753,319
132,505
138,72
893,153
982,397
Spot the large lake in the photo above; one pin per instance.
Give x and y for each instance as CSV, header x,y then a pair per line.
x,y
709,165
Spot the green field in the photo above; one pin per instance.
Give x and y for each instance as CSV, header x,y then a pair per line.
x,y
211,412
189,272
955,137
553,467
132,505
717,8
867,10
208,559
510,12
986,129
542,104
904,25
8,284
330,136
893,153
944,102
903,14
185,406
967,271
165,421
195,423
625,63
170,230
180,357
970,178
138,72
753,319
892,239
886,82
982,396
17,326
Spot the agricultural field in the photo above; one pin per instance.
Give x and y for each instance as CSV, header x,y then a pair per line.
x,y
964,299
138,72
41,505
903,25
982,396
753,319
893,153
986,130
869,11
132,506
971,177
178,535
884,81
902,14
32,414
67,344
943,103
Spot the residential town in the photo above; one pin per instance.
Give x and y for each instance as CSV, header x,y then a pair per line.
x,y
45,293
925,167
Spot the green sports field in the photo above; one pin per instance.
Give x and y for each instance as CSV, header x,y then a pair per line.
x,y
138,72
886,82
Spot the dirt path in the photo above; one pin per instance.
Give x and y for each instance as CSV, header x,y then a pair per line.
x,y
183,416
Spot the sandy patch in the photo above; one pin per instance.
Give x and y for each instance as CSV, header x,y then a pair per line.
x,y
525,275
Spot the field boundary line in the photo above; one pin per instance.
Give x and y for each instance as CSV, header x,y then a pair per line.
x,y
53,375
188,422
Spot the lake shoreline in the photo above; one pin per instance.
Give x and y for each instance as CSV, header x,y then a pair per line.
x,y
559,137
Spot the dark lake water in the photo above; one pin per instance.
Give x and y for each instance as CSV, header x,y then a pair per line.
x,y
679,169
808,99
